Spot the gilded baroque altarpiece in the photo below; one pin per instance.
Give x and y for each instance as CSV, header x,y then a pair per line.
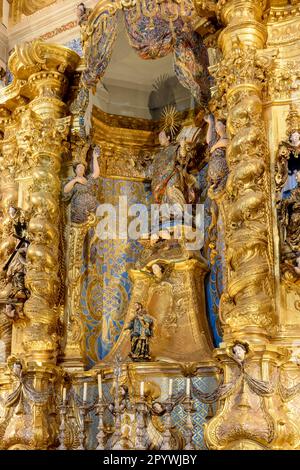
x,y
145,344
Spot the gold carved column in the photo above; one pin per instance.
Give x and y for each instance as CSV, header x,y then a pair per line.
x,y
43,135
39,116
247,308
247,416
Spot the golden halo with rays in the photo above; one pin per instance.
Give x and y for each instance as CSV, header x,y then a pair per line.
x,y
170,120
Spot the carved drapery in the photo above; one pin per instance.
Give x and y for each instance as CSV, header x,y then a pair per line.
x,y
154,29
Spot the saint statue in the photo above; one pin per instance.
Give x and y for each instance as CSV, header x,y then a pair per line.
x,y
172,178
217,174
83,13
14,233
291,218
217,141
16,273
14,249
82,190
141,328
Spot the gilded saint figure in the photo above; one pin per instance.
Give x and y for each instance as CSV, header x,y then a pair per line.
x,y
14,250
83,13
217,142
16,274
82,190
14,233
141,328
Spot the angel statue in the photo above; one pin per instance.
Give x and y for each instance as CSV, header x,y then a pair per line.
x,y
217,174
82,190
217,141
83,13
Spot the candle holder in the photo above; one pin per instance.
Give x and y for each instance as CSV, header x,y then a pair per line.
x,y
118,428
141,410
188,406
167,436
82,413
117,408
63,409
100,409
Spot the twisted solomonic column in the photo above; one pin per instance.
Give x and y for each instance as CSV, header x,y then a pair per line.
x,y
43,134
246,420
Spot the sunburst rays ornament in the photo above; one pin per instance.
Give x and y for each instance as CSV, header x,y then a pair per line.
x,y
161,82
170,120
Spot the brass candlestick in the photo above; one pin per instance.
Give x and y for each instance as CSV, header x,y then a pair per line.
x,y
101,432
62,428
141,412
188,405
82,413
167,436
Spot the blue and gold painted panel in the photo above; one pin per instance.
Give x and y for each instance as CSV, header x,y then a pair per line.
x,y
106,288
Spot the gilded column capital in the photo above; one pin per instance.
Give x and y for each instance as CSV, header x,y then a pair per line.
x,y
243,21
39,69
231,11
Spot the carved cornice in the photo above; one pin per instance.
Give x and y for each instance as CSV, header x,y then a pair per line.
x,y
127,144
282,13
284,32
125,122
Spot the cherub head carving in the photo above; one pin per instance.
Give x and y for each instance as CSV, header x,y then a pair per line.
x,y
239,351
295,139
